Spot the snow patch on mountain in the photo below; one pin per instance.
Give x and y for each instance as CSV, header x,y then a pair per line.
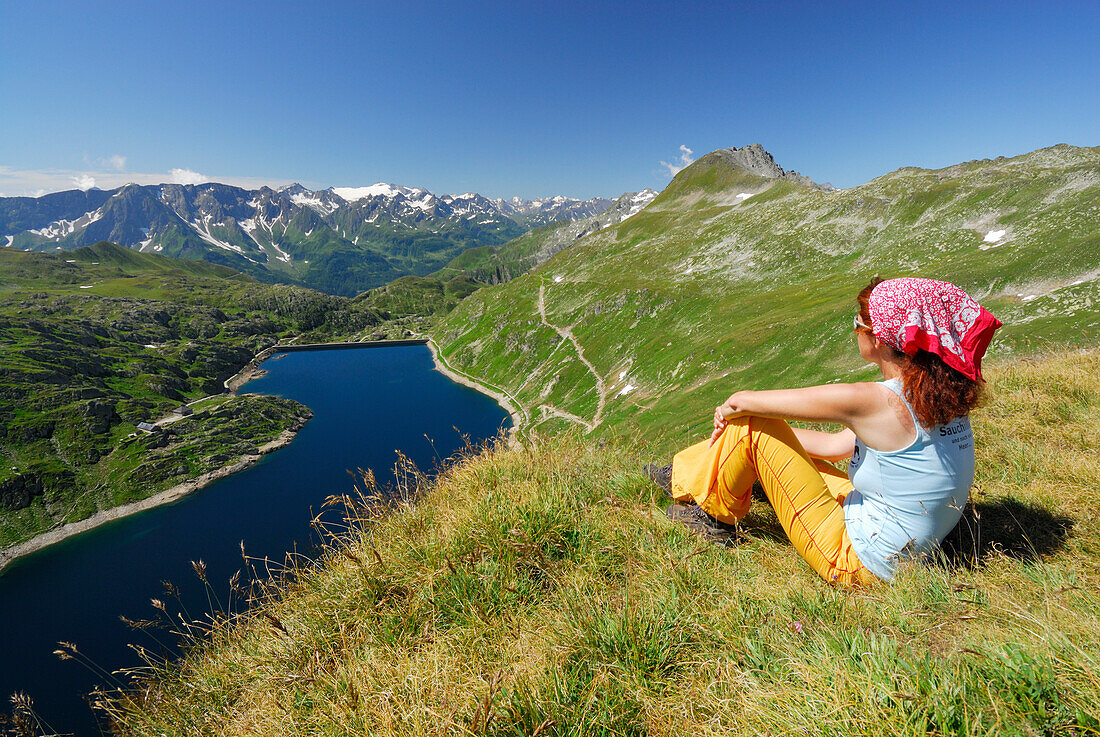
x,y
203,229
281,254
248,226
1059,295
992,239
639,201
425,202
58,229
380,189
315,203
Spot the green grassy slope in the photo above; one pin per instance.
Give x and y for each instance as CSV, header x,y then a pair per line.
x,y
416,295
133,263
410,304
729,280
496,264
105,263
539,589
542,591
104,337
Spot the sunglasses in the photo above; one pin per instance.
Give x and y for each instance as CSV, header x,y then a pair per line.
x,y
857,323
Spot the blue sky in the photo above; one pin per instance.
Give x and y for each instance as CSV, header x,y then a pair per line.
x,y
530,99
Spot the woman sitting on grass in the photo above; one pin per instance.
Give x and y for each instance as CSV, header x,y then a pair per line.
x,y
908,438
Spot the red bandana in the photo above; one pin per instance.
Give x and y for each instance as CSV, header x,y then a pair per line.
x,y
936,316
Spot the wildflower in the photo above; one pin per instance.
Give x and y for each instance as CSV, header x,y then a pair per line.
x,y
795,626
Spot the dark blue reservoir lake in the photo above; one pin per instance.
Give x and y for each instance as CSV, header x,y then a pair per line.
x,y
367,403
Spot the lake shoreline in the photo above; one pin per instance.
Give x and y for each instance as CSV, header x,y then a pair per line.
x,y
503,400
175,493
251,370
43,540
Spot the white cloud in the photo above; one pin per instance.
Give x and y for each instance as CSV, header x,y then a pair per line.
x,y
186,176
37,182
684,161
116,162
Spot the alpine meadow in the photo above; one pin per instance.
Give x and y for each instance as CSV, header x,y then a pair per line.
x,y
534,586
580,369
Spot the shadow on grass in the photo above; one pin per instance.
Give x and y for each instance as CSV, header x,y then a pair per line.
x,y
1006,527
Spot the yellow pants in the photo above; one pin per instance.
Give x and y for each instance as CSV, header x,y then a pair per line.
x,y
807,495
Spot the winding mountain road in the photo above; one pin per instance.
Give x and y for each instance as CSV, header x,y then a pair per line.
x,y
601,387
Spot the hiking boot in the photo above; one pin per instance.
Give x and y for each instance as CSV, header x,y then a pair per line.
x,y
660,475
695,519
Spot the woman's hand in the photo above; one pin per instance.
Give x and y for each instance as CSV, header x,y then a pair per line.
x,y
861,407
719,425
723,413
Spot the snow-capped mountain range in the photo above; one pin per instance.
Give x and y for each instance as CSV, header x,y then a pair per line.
x,y
341,240
498,264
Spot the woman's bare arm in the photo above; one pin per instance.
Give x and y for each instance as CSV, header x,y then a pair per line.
x,y
872,412
828,446
842,403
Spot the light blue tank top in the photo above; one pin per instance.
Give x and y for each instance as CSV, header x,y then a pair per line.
x,y
904,502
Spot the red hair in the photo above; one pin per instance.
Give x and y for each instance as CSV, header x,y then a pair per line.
x,y
937,392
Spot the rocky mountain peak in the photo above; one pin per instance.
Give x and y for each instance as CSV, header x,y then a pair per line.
x,y
293,189
756,160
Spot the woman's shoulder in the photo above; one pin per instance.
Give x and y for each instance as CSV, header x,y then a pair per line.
x,y
859,390
855,393
886,423
858,401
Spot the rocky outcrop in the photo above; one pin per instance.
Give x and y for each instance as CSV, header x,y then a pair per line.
x,y
16,492
98,415
753,158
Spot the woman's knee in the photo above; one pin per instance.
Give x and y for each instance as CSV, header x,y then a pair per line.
x,y
754,424
769,426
